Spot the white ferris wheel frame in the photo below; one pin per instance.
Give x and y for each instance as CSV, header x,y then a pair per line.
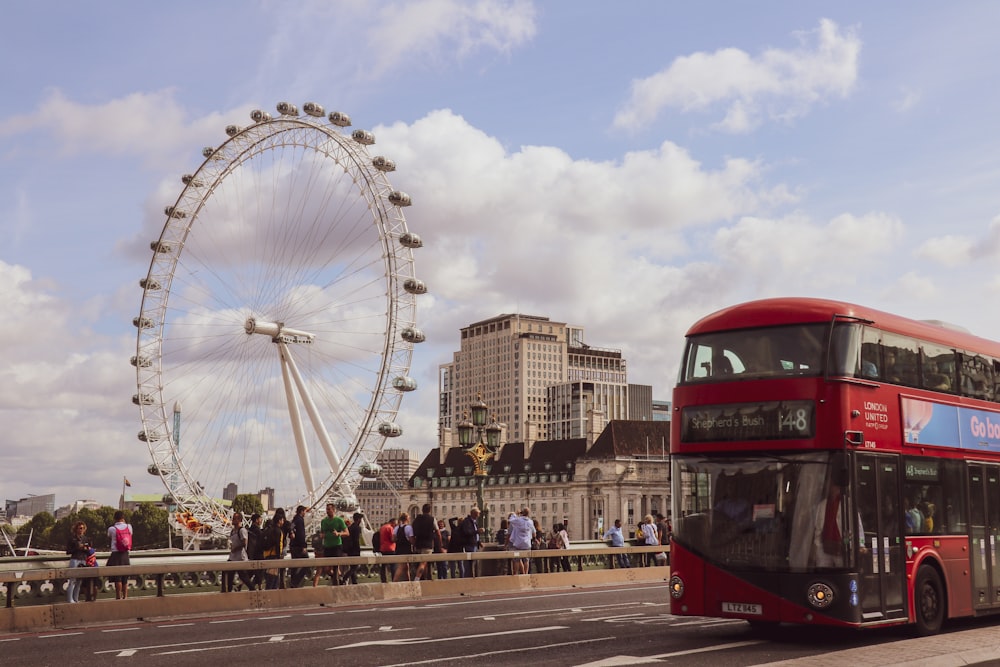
x,y
158,413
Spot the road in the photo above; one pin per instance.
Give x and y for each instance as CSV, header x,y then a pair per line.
x,y
596,627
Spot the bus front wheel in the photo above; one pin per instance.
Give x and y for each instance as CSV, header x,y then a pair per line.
x,y
929,601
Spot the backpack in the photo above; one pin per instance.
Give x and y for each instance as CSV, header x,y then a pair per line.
x,y
376,539
253,544
554,541
123,539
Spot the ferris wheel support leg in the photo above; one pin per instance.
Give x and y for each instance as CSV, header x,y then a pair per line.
x,y
317,423
293,413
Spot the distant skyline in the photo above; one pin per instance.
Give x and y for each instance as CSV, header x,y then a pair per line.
x,y
629,169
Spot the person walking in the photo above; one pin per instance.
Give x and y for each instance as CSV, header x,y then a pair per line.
x,y
614,533
334,530
120,535
352,548
255,549
404,547
424,537
650,538
238,539
440,546
78,548
274,548
298,545
469,531
521,533
561,538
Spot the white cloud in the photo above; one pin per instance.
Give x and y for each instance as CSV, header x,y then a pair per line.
x,y
952,251
777,85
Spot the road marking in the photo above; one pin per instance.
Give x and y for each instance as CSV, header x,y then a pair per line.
x,y
229,620
242,641
709,649
428,640
64,634
175,625
610,619
127,653
708,621
119,630
276,638
465,657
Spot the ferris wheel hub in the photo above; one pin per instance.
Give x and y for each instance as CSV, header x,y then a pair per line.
x,y
277,331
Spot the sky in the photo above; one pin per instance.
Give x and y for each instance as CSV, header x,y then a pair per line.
x,y
629,169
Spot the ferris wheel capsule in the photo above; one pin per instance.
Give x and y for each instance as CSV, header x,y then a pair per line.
x,y
150,284
143,399
287,109
347,503
340,119
142,323
259,116
233,130
400,198
370,470
412,335
390,429
415,286
314,109
404,383
383,163
411,240
363,137
189,179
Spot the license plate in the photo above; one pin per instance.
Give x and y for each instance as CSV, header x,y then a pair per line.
x,y
745,608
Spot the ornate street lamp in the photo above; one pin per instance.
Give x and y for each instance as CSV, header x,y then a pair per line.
x,y
471,437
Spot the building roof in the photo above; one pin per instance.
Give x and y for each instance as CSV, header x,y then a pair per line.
x,y
620,438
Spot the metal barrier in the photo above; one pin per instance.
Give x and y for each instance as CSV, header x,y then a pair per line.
x,y
31,581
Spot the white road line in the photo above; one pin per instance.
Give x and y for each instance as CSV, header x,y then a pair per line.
x,y
709,649
609,618
428,640
63,634
242,641
127,653
465,657
119,630
176,625
229,620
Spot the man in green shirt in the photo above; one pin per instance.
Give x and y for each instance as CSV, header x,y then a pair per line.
x,y
334,530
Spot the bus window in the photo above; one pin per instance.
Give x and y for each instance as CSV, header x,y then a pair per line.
x,y
976,377
900,357
937,368
871,348
768,352
933,497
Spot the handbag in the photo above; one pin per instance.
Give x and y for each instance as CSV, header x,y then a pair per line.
x,y
91,560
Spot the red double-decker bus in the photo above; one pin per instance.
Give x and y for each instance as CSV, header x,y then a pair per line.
x,y
835,465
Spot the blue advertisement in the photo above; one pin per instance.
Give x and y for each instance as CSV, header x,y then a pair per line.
x,y
927,423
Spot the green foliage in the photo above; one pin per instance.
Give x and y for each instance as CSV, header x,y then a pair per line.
x,y
149,524
247,504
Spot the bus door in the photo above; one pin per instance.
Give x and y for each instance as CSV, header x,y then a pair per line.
x,y
880,554
984,522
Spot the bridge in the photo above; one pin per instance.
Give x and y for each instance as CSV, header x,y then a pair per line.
x,y
181,584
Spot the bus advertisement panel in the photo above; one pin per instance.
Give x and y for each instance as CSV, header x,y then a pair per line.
x,y
835,465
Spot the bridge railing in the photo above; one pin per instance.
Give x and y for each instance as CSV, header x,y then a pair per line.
x,y
43,579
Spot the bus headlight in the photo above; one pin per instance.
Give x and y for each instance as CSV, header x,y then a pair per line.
x,y
820,595
676,587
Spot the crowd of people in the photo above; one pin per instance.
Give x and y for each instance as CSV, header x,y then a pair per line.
x,y
340,536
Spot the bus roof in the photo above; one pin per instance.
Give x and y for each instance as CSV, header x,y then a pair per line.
x,y
800,310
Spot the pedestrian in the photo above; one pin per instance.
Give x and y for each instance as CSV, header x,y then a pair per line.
x,y
470,532
440,546
334,530
387,547
404,547
79,550
352,548
120,535
520,536
298,545
424,537
255,549
562,542
614,533
454,546
650,538
274,548
238,539
537,544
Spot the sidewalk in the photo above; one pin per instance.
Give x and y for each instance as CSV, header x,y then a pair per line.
x,y
965,647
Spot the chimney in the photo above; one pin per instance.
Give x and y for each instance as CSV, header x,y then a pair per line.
x,y
596,421
530,436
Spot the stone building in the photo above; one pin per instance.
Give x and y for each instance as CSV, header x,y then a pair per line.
x,y
618,472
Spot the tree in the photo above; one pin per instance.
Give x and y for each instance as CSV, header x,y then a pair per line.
x,y
149,524
39,528
246,504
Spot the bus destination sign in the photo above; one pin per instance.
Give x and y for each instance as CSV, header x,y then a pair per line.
x,y
769,420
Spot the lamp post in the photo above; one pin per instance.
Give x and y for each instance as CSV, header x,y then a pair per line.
x,y
471,437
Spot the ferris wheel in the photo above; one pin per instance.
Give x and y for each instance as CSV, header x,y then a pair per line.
x,y
277,320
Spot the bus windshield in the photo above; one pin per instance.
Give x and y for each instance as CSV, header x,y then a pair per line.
x,y
778,513
753,353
